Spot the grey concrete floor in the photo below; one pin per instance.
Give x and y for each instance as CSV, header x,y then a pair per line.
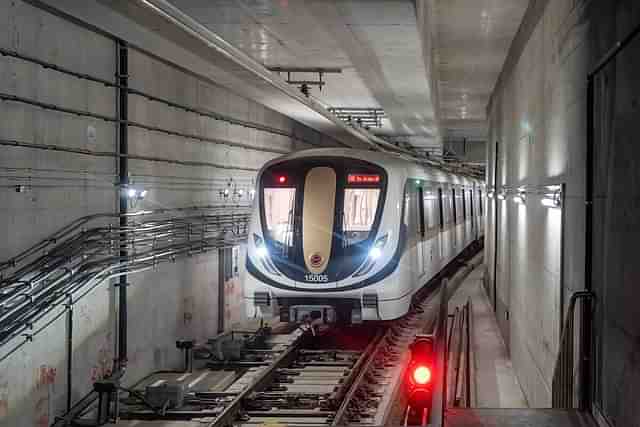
x,y
517,418
495,385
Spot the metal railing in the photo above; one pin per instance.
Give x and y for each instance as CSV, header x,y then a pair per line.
x,y
563,388
459,357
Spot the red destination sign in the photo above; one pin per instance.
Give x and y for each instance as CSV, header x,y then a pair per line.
x,y
363,179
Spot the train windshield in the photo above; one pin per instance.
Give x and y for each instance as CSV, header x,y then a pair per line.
x,y
279,205
360,206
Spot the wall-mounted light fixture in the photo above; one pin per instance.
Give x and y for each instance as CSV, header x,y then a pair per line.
x,y
22,188
552,196
521,196
135,193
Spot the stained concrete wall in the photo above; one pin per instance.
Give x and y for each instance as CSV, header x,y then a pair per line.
x,y
616,230
175,301
537,116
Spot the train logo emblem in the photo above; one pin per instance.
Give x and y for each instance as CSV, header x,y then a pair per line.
x,y
316,260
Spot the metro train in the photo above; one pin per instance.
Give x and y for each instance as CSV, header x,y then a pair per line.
x,y
334,237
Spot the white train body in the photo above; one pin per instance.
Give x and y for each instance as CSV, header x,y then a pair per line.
x,y
333,235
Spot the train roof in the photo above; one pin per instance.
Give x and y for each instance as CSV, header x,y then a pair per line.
x,y
385,159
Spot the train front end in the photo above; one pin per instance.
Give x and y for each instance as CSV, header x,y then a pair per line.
x,y
318,238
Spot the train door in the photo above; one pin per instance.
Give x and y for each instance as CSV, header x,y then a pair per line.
x,y
419,206
440,227
466,233
431,240
474,218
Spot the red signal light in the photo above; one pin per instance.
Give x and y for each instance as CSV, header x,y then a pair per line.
x,y
421,375
282,179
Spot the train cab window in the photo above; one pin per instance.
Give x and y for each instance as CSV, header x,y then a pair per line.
x,y
360,206
279,205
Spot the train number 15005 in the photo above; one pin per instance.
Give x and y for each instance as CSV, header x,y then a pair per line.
x,y
316,278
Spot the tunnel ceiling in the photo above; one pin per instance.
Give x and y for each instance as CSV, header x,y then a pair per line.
x,y
379,45
472,43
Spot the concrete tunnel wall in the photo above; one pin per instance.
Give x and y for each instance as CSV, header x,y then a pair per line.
x,y
537,116
175,301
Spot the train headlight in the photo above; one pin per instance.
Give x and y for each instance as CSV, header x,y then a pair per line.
x,y
379,244
261,250
374,254
376,250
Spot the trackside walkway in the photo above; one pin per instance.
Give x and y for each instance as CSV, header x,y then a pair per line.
x,y
496,385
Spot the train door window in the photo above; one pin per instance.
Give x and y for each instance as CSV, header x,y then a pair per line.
x,y
279,204
359,212
454,207
471,203
441,208
421,219
429,200
480,201
458,210
464,204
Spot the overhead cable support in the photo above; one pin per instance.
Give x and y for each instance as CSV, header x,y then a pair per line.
x,y
79,259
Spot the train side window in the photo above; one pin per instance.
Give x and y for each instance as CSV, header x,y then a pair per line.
x,y
420,201
440,208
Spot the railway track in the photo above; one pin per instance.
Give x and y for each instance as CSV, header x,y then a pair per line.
x,y
350,375
338,376
345,376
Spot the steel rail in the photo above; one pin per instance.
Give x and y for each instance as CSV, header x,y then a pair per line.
x,y
360,370
230,412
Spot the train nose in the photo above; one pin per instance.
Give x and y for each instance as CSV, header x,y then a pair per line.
x,y
318,217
